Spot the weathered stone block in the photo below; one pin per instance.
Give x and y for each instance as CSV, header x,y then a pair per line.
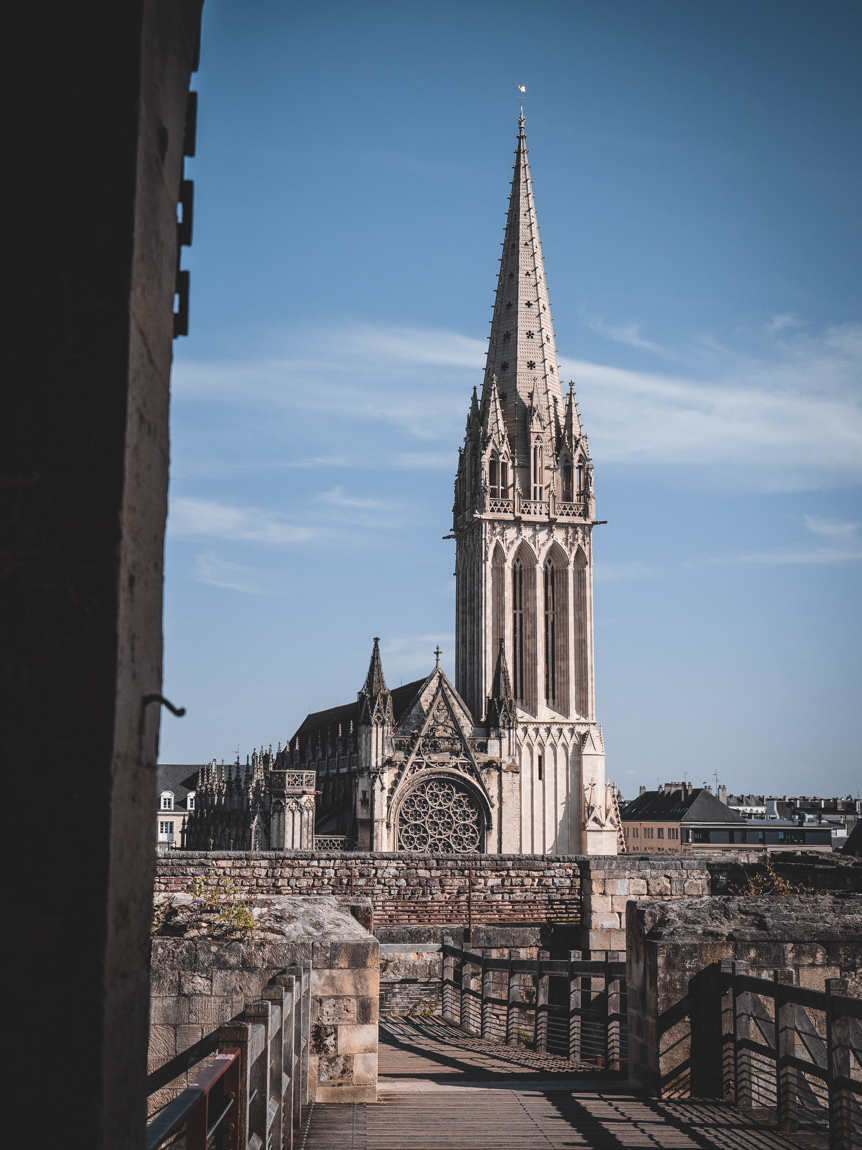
x,y
357,1039
350,983
169,1011
814,977
331,1011
163,1046
191,983
658,886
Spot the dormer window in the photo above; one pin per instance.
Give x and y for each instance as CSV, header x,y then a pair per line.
x,y
167,803
190,801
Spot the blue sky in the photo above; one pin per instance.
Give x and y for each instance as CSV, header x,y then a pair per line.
x,y
697,176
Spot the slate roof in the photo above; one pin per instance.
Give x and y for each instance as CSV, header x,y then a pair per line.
x,y
700,806
347,713
179,778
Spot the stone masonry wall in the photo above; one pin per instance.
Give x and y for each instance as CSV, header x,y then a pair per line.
x,y
199,982
403,888
674,997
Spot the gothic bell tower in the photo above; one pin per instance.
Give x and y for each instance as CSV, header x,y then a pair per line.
x,y
523,520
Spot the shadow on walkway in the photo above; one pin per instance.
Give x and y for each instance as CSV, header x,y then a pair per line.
x,y
440,1089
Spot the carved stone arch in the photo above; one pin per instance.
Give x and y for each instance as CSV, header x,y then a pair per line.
x,y
441,812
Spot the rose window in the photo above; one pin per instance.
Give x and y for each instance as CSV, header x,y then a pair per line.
x,y
438,816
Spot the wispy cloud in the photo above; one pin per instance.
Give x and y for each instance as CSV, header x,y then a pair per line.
x,y
628,333
792,422
190,518
780,322
788,420
232,576
846,548
606,572
830,527
820,555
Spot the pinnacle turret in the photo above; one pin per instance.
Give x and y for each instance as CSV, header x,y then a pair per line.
x,y
374,681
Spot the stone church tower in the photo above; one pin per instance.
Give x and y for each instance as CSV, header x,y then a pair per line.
x,y
509,759
523,520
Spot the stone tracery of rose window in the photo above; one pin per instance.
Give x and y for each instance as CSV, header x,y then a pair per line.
x,y
440,817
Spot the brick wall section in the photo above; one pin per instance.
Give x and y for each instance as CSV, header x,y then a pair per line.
x,y
403,888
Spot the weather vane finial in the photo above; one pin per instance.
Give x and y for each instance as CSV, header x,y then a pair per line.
x,y
437,654
522,93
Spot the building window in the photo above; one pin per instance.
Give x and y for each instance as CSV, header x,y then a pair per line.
x,y
167,802
518,628
567,483
647,832
166,830
494,479
635,833
540,767
550,633
538,468
626,832
661,832
531,366
190,802
580,478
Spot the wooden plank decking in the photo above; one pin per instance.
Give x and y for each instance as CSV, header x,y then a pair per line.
x,y
440,1089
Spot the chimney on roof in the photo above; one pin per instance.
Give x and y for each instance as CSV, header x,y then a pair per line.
x,y
688,788
707,788
641,791
722,793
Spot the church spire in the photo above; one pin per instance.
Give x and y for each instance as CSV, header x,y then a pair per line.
x,y
522,353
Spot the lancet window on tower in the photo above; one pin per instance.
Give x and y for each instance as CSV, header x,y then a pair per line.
x,y
550,632
518,628
498,478
538,471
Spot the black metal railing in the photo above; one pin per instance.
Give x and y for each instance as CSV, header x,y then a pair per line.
x,y
795,1052
575,1008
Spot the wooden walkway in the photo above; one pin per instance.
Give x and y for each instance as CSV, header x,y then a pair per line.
x,y
440,1089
